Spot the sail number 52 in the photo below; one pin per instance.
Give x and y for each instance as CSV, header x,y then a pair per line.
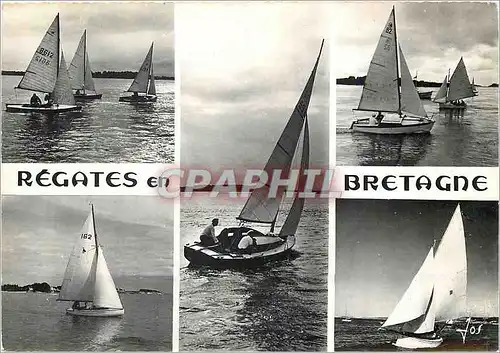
x,y
86,236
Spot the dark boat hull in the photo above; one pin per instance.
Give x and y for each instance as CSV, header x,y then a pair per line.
x,y
138,99
54,109
425,95
199,255
88,96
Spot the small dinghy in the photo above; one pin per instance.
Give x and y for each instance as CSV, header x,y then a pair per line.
x,y
436,293
143,86
451,93
87,281
260,208
47,73
80,73
382,93
425,95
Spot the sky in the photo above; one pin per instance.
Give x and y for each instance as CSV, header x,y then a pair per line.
x,y
243,67
39,232
118,34
381,244
433,36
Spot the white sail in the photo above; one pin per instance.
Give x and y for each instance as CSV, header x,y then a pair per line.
x,y
410,101
381,91
460,86
451,270
293,218
76,69
415,301
41,73
259,206
152,87
89,80
79,277
442,92
105,294
62,90
140,83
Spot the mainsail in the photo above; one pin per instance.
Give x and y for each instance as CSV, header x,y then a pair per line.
x,y
260,207
442,92
79,70
410,101
43,68
381,91
62,90
460,86
140,83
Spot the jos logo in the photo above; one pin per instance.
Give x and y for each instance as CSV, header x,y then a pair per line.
x,y
469,329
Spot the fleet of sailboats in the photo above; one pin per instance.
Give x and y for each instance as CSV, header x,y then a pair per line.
x,y
436,293
80,72
260,208
47,73
143,86
385,91
455,88
87,281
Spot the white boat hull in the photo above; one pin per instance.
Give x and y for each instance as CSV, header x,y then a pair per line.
x,y
416,343
393,128
53,109
107,312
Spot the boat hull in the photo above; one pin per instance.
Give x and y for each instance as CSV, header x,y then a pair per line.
x,y
107,312
54,109
87,96
416,342
425,95
451,106
199,255
393,128
138,99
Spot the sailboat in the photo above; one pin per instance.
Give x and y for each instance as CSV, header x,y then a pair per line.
x,y
454,89
80,72
47,73
144,82
383,93
260,208
474,88
422,94
87,281
436,293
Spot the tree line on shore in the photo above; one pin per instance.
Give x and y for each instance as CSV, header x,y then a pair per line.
x,y
99,74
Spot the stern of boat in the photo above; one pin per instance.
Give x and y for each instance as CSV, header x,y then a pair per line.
x,y
418,343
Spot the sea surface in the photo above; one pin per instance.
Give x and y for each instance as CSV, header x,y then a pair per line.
x,y
468,140
104,131
364,335
37,322
279,307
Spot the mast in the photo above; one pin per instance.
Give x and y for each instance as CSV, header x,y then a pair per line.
x,y
150,69
58,43
397,61
95,230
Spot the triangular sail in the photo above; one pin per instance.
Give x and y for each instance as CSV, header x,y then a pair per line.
x,y
42,70
460,86
89,80
62,90
293,218
259,206
140,83
79,277
381,91
451,270
76,69
152,87
105,294
410,101
442,92
415,301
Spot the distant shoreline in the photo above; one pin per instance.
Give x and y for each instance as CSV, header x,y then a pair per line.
x,y
100,74
44,287
360,81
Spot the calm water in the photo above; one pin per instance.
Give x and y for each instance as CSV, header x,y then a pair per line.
x,y
104,131
36,321
471,140
363,334
279,307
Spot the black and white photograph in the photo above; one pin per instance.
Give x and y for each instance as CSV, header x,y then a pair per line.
x,y
255,95
416,274
88,82
417,83
83,273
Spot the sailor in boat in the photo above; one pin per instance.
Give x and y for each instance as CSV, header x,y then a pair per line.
x,y
376,119
48,98
247,244
208,237
35,101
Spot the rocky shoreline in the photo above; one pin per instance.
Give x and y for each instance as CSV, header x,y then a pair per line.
x,y
44,287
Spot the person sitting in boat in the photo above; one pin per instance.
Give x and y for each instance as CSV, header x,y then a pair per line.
x,y
48,98
76,305
247,244
379,117
35,101
208,237
78,92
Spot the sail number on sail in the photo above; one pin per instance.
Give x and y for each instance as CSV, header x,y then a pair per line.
x,y
44,52
86,236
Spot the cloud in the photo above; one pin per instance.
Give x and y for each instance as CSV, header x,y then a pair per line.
x,y
119,34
